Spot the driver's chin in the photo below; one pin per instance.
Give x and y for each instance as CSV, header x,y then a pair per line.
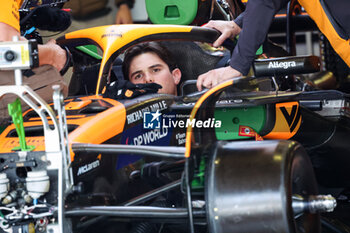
x,y
162,91
168,91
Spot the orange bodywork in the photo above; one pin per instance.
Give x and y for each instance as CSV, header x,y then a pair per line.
x,y
282,128
287,115
90,128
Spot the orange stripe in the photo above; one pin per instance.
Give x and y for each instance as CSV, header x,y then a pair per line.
x,y
285,15
194,112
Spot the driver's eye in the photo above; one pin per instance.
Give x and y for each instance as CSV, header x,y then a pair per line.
x,y
138,76
155,70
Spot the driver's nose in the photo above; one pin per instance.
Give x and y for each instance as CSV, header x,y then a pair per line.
x,y
149,78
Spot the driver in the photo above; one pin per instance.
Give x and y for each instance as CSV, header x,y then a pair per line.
x,y
151,63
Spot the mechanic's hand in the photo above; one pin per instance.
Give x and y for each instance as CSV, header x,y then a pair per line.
x,y
228,29
216,76
123,15
52,54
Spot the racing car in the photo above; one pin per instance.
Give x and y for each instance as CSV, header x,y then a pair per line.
x,y
240,157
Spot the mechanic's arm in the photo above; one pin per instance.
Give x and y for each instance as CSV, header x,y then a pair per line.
x,y
124,11
52,54
49,53
256,21
7,32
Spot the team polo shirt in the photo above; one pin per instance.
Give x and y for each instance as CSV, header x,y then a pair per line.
x,y
9,12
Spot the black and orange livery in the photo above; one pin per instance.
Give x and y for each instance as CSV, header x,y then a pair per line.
x,y
103,179
98,120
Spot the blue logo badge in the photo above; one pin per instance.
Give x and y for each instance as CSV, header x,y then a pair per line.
x,y
151,120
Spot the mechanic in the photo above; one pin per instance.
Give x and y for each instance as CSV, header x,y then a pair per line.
x,y
52,59
253,25
49,53
152,63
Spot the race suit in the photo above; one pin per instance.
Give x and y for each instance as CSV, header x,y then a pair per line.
x,y
257,18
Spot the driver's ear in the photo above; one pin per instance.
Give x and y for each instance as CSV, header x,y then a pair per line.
x,y
176,75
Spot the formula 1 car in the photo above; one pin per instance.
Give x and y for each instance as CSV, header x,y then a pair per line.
x,y
240,157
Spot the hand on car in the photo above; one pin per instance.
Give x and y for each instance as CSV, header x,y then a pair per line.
x,y
216,76
52,54
228,29
123,15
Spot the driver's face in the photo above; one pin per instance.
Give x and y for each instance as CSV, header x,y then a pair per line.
x,y
149,68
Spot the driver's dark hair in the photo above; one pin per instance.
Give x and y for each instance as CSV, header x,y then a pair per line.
x,y
147,47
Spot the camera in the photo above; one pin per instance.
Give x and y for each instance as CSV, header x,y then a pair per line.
x,y
18,55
